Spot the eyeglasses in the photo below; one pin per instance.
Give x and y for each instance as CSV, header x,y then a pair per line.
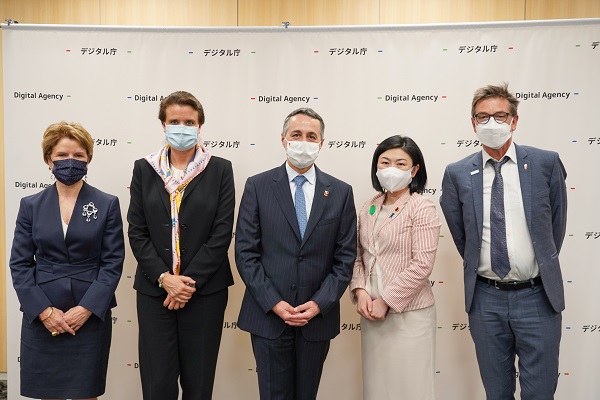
x,y
483,118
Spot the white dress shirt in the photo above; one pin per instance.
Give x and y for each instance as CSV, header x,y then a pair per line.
x,y
523,264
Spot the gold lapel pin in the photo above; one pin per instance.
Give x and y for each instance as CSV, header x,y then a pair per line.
x,y
326,193
525,167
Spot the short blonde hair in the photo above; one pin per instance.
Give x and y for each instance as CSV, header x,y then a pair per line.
x,y
72,130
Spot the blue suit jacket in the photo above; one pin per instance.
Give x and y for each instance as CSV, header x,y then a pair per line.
x,y
545,202
276,265
82,268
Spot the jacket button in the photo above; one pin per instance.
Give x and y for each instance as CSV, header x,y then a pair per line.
x,y
293,287
183,226
183,250
300,258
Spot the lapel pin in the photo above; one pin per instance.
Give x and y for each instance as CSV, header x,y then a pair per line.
x,y
475,172
525,167
326,193
372,209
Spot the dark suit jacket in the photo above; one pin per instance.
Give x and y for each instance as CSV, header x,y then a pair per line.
x,y
544,199
205,227
276,265
82,268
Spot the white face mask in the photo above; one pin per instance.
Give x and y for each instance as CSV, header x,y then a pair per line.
x,y
393,179
493,134
301,153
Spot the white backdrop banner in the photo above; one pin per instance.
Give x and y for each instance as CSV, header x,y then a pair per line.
x,y
368,83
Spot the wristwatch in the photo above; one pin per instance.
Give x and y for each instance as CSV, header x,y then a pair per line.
x,y
161,278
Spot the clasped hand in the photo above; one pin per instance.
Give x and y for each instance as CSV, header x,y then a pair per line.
x,y
66,322
373,310
296,316
179,290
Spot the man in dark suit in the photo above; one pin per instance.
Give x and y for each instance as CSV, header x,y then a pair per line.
x,y
506,209
295,247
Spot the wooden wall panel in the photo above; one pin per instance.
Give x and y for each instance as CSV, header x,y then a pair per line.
x,y
560,9
79,12
308,12
439,11
169,12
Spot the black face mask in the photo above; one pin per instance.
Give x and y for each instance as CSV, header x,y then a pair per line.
x,y
69,170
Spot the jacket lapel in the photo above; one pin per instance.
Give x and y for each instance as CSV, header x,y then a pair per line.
x,y
377,203
321,198
396,210
164,195
78,226
525,181
476,173
52,220
283,195
194,183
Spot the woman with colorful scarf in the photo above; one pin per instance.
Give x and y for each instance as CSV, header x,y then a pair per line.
x,y
180,227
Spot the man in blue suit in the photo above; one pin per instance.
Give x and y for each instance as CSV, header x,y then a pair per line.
x,y
506,209
295,248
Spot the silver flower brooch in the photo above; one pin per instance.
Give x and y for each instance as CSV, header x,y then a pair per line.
x,y
89,210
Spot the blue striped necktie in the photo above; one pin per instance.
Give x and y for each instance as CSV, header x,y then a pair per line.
x,y
300,204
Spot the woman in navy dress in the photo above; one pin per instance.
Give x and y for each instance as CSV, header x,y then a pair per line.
x,y
66,261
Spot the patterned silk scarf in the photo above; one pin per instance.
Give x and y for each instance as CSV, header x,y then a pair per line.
x,y
175,187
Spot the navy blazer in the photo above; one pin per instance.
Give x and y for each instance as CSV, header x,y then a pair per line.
x,y
276,265
83,268
205,227
544,195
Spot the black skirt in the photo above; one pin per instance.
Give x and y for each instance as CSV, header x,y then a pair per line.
x,y
65,366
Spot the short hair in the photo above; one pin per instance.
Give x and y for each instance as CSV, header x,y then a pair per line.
x,y
71,130
183,99
492,91
304,111
410,147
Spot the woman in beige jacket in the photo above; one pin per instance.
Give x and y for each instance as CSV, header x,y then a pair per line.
x,y
398,232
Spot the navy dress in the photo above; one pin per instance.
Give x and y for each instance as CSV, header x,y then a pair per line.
x,y
51,269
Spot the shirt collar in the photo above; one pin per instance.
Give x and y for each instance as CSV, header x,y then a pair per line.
x,y
310,175
510,153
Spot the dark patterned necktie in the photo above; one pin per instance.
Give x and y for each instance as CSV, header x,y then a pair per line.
x,y
498,251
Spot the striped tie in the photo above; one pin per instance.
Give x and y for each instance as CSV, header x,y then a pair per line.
x,y
300,204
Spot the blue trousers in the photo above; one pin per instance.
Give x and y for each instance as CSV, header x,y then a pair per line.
x,y
506,323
